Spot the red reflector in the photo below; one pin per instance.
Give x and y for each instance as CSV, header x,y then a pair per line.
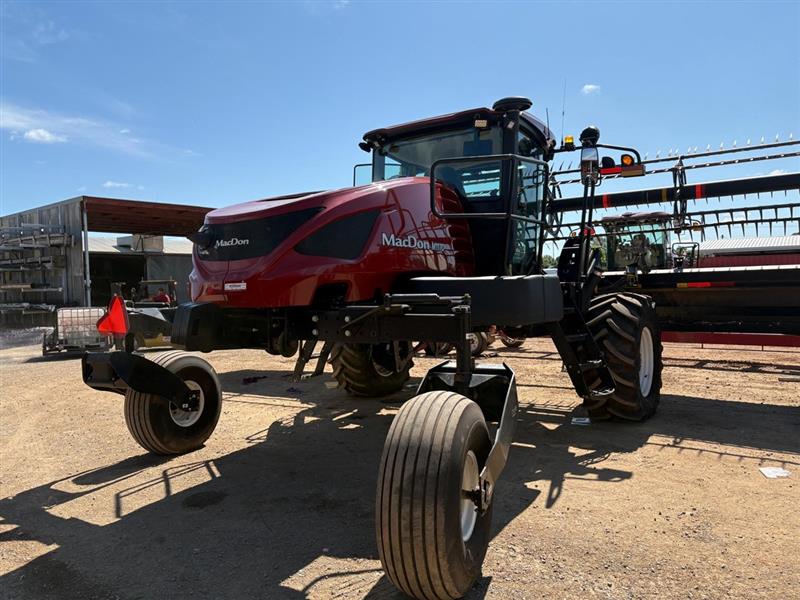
x,y
115,321
611,171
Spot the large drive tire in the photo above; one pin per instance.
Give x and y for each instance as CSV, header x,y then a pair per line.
x,y
370,369
438,348
158,425
625,327
431,539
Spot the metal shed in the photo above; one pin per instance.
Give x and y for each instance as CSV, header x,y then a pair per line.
x,y
45,251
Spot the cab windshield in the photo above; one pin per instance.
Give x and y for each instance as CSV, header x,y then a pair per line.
x,y
628,242
414,156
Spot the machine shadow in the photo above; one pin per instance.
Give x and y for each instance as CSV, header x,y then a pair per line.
x,y
285,516
55,357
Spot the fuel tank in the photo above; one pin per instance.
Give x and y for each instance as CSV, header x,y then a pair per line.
x,y
346,245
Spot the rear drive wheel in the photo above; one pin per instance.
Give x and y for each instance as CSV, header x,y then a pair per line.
x,y
431,538
438,348
371,369
162,427
625,327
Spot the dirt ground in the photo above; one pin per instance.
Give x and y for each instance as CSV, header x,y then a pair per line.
x,y
279,503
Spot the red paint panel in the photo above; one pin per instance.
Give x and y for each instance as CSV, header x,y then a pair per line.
x,y
710,284
735,339
750,260
699,192
286,278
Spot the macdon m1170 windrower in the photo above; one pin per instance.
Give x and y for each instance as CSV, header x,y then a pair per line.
x,y
445,241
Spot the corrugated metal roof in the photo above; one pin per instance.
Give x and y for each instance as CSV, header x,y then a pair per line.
x,y
115,215
108,245
785,243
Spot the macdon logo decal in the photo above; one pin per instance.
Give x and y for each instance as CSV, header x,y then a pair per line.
x,y
231,242
411,241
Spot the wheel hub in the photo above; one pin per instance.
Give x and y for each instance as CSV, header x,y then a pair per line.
x,y
187,418
646,361
384,360
470,483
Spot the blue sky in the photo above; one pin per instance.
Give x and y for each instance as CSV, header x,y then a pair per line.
x,y
217,103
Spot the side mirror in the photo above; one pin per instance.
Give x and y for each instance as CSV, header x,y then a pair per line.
x,y
590,155
590,159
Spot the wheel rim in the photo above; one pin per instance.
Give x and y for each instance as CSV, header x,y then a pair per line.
x,y
187,418
646,361
383,358
470,481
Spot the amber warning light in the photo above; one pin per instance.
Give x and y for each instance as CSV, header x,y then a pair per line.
x,y
115,321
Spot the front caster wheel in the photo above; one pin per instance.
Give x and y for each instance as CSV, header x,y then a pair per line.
x,y
431,538
160,426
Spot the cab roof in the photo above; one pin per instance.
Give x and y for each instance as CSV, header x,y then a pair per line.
x,y
464,117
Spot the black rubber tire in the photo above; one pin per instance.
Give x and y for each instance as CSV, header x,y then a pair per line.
x,y
418,504
482,343
438,348
616,322
510,342
148,415
356,371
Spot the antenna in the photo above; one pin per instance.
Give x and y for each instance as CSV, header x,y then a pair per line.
x,y
547,115
563,107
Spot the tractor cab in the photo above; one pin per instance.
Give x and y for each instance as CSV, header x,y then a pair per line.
x,y
639,240
493,160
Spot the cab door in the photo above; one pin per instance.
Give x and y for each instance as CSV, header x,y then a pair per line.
x,y
527,202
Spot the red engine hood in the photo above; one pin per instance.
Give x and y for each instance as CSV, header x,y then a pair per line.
x,y
283,204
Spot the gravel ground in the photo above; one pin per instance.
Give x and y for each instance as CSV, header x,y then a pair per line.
x,y
279,503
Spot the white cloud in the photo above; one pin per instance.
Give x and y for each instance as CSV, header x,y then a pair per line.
x,y
590,88
124,131
778,172
47,33
29,31
340,4
117,184
42,136
47,127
